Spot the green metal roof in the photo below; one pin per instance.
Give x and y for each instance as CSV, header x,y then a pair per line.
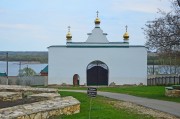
x,y
3,74
64,46
45,70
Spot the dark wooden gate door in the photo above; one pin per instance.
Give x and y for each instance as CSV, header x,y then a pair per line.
x,y
97,75
76,80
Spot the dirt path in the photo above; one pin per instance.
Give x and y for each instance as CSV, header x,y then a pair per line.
x,y
142,110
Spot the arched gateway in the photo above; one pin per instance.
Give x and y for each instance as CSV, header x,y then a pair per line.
x,y
97,73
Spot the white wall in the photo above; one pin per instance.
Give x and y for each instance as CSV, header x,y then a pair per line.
x,y
127,65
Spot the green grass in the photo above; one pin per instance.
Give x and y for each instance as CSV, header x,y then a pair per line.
x,y
154,92
73,88
101,109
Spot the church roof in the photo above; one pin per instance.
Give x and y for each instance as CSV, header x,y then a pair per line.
x,y
98,39
97,36
98,44
45,70
85,45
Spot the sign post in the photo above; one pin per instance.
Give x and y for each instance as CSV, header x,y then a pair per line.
x,y
92,92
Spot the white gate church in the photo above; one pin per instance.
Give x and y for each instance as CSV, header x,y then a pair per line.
x,y
97,61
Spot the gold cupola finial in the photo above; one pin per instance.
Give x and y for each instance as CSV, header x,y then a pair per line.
x,y
126,35
68,35
97,20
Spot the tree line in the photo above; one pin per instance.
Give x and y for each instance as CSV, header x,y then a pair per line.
x,y
41,57
163,37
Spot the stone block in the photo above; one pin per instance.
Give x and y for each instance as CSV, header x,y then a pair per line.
x,y
43,109
45,115
38,116
44,96
172,93
51,106
10,96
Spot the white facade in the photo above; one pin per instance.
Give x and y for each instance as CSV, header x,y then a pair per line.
x,y
126,64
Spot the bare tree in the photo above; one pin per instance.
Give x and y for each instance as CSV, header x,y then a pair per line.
x,y
163,33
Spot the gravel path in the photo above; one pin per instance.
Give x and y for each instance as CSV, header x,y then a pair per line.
x,y
164,106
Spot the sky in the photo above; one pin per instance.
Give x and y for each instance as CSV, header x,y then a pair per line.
x,y
34,25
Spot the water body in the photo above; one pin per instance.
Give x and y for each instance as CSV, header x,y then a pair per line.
x,y
163,69
13,67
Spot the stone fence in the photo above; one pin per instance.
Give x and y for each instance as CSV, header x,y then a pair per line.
x,y
48,106
163,80
16,88
43,109
26,80
3,80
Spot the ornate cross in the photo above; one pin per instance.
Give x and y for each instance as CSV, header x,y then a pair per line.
x,y
126,27
69,28
97,13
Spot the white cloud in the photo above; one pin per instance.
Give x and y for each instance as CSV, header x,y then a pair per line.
x,y
2,10
19,26
48,23
24,31
145,6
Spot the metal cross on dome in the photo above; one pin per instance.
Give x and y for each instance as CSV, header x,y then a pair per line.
x,y
97,13
69,28
126,27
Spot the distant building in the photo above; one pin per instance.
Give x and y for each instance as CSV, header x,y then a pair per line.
x,y
97,61
44,72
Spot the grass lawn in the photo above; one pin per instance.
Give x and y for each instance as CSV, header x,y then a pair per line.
x,y
101,109
154,92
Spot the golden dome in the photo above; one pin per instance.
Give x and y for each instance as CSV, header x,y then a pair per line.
x,y
97,21
68,36
126,36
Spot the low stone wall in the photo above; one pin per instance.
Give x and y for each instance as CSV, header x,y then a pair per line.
x,y
43,109
50,103
26,89
172,92
44,96
161,75
3,80
10,96
28,80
